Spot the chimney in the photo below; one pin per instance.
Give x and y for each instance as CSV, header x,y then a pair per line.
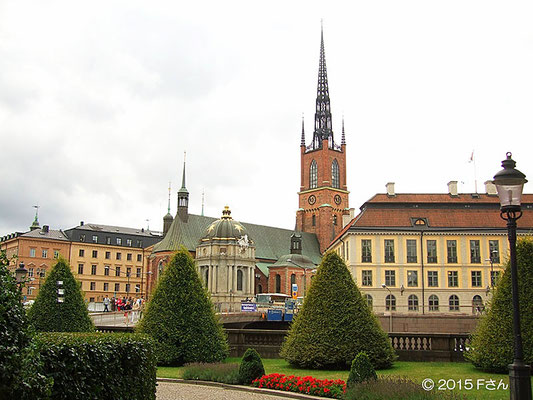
x,y
346,218
490,188
390,189
452,188
46,228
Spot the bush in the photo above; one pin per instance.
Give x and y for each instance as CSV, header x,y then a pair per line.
x,y
47,315
214,372
492,344
335,324
362,370
305,385
181,317
251,367
98,365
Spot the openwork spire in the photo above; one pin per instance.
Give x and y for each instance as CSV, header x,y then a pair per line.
x,y
183,188
169,189
343,138
302,143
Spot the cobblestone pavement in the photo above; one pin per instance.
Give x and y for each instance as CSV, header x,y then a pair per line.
x,y
184,391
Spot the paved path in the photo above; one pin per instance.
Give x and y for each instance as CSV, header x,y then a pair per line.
x,y
185,391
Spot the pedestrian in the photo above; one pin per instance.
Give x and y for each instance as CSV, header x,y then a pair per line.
x,y
106,303
135,312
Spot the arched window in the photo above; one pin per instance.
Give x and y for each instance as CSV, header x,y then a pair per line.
x,y
334,219
477,304
433,303
453,301
239,279
369,300
390,303
412,302
278,283
313,220
313,175
159,269
293,279
335,181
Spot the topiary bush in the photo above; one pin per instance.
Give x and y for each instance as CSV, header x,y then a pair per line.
x,y
362,370
251,367
98,366
492,343
335,324
181,318
47,315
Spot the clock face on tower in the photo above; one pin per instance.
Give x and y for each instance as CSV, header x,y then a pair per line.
x,y
337,199
311,200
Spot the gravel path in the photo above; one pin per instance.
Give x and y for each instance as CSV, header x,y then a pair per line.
x,y
185,391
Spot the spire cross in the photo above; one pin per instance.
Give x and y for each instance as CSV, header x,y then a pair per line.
x,y
169,189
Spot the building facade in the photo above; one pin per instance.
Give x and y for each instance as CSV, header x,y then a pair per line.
x,y
427,253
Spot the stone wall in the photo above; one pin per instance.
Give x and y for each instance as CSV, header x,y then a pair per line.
x,y
428,323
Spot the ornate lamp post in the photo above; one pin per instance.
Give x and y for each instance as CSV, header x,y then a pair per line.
x,y
20,275
509,184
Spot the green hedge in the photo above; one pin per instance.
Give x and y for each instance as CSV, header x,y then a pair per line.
x,y
98,365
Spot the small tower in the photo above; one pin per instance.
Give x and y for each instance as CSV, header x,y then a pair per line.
x,y
183,197
167,219
296,243
35,225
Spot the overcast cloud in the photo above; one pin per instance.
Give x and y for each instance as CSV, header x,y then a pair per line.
x,y
99,100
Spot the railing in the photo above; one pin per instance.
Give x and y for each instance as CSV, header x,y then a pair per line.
x,y
119,319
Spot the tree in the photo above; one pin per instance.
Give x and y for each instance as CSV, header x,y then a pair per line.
x,y
335,323
181,318
49,315
361,370
492,344
251,367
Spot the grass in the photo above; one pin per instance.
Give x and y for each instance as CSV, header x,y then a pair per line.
x,y
416,371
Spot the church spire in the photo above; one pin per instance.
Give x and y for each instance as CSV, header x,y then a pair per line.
x,y
302,143
167,219
343,138
183,196
323,125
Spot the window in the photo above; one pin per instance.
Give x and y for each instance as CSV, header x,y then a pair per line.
x,y
45,253
239,279
278,283
95,253
93,285
433,303
30,291
390,303
93,269
366,278
451,246
128,256
80,269
108,240
117,287
106,287
117,271
81,253
128,242
389,250
206,277
334,219
128,271
107,255
476,278
369,300
335,181
453,279
82,238
411,251
313,175
412,303
313,220
494,276
56,253
293,279
494,251
137,288
119,241
139,243
412,278
127,287
139,257
138,275
95,239
160,269
32,252
433,278
106,270
366,250
30,272
475,255
390,278
453,302
119,256
432,251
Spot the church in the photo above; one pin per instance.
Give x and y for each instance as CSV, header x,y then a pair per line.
x,y
236,259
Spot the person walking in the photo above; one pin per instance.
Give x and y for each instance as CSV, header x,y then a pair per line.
x,y
106,303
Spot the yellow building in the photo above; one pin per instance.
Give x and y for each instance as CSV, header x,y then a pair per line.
x,y
427,253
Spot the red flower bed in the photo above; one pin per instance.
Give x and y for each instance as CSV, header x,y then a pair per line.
x,y
306,385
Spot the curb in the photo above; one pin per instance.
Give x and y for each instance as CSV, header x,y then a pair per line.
x,y
272,392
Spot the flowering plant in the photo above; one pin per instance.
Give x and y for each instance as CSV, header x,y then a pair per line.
x,y
305,385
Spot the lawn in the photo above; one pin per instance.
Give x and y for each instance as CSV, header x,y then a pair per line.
x,y
442,373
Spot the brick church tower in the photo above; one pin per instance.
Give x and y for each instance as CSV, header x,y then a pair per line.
x,y
323,195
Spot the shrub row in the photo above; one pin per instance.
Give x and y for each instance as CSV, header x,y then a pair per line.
x,y
97,365
214,372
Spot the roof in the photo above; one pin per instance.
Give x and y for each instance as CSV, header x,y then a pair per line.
x,y
270,243
444,198
116,229
298,260
51,234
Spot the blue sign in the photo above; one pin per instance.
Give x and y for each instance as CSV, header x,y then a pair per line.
x,y
248,307
275,315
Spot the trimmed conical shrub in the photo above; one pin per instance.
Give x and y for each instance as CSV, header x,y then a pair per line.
x,y
335,323
181,318
362,370
251,367
492,345
71,315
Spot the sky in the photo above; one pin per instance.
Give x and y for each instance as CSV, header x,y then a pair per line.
x,y
99,101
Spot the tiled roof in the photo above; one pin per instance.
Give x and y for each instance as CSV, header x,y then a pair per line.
x,y
116,229
432,198
50,235
271,243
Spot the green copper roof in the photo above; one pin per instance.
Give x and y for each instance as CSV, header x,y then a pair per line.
x,y
271,243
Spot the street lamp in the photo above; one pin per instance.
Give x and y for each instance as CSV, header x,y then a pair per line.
x,y
509,184
390,306
305,275
20,275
